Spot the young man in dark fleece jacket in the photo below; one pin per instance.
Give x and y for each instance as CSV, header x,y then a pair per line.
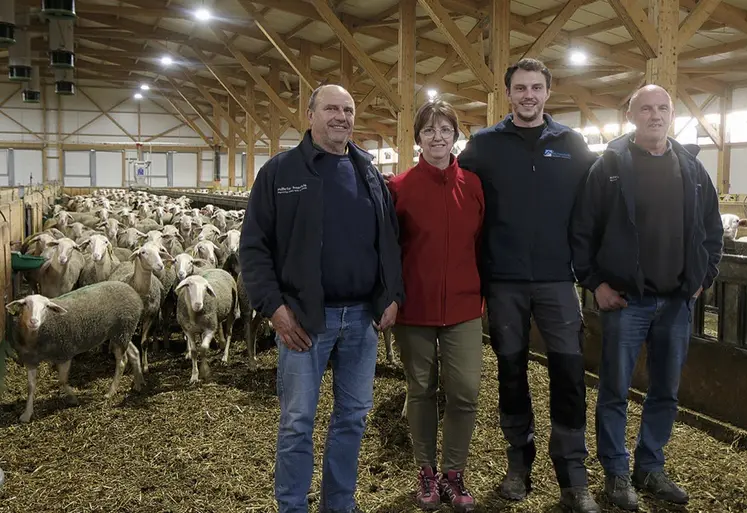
x,y
646,239
531,169
320,256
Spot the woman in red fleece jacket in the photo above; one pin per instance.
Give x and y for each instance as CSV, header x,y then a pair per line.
x,y
440,210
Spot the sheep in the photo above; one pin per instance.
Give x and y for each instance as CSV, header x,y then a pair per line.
x,y
56,331
59,274
110,228
249,318
209,232
147,225
731,224
187,265
229,241
172,244
130,238
207,250
101,263
145,260
36,244
207,304
219,220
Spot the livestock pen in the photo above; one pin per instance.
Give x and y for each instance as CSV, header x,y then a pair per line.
x,y
179,447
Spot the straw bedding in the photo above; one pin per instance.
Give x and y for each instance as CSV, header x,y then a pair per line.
x,y
210,448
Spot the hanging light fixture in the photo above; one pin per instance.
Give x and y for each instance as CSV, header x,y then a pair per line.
x,y
58,9
19,54
61,53
7,23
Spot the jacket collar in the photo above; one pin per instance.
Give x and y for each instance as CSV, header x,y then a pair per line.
x,y
621,145
311,151
552,128
436,173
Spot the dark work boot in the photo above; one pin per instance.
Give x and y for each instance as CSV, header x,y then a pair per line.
x,y
620,492
660,486
515,485
578,500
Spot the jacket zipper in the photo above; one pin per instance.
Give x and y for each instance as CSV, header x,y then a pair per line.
x,y
446,253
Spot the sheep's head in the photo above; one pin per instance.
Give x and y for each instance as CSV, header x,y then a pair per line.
x,y
37,244
77,229
99,245
64,218
33,310
731,224
206,250
209,232
184,265
64,249
196,287
130,237
154,236
230,240
152,256
110,226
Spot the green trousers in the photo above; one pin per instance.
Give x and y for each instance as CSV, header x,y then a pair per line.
x,y
459,349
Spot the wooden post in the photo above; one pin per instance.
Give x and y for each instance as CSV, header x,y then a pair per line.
x,y
662,70
249,171
218,122
231,155
500,35
406,85
346,68
724,154
60,151
274,135
304,91
45,171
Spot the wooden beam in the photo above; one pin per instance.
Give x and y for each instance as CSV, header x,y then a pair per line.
x,y
346,68
249,170
406,85
304,89
106,113
695,111
204,117
277,41
219,110
640,28
372,93
258,78
458,40
81,127
703,107
231,150
662,70
274,81
590,116
553,29
695,20
347,39
500,41
724,155
190,123
223,79
546,13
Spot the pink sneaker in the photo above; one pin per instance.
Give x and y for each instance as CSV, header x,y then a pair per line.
x,y
427,496
452,487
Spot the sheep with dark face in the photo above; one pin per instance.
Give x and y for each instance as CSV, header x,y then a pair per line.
x,y
207,305
46,330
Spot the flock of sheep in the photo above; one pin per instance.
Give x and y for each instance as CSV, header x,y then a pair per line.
x,y
117,260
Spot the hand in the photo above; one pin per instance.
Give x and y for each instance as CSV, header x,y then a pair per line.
x,y
388,176
388,318
291,333
608,298
697,294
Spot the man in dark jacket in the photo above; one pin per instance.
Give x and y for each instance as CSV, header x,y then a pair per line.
x,y
531,169
320,257
646,239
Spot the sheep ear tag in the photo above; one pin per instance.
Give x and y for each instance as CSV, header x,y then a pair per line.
x,y
14,307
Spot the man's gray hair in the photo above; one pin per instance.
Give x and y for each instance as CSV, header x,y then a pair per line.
x,y
315,93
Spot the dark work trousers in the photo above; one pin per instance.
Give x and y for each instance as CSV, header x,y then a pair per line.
x,y
557,314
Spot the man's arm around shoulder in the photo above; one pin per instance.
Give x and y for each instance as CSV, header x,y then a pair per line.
x,y
714,229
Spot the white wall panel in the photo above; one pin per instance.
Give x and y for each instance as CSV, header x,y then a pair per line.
x,y
185,169
709,158
224,169
157,165
259,161
206,174
738,171
77,163
4,162
108,169
3,180
27,166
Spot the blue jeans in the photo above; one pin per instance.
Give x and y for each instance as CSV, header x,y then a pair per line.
x,y
350,343
663,323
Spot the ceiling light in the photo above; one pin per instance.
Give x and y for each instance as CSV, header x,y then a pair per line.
x,y
138,96
202,14
166,60
578,58
144,87
432,93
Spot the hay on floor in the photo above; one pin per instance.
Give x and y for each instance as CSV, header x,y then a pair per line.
x,y
210,448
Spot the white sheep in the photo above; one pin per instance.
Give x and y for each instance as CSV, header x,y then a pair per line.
x,y
731,224
207,304
59,274
101,263
56,331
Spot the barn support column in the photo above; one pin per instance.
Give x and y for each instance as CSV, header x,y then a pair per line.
x,y
11,167
274,135
346,68
406,85
217,131
45,170
92,167
249,168
662,69
724,153
500,39
304,91
169,169
231,155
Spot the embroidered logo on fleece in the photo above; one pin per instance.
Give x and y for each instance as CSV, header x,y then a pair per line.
x,y
292,189
556,154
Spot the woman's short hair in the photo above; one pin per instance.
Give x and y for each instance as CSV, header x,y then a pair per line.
x,y
434,109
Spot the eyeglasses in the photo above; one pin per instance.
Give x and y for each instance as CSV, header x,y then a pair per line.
x,y
446,132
